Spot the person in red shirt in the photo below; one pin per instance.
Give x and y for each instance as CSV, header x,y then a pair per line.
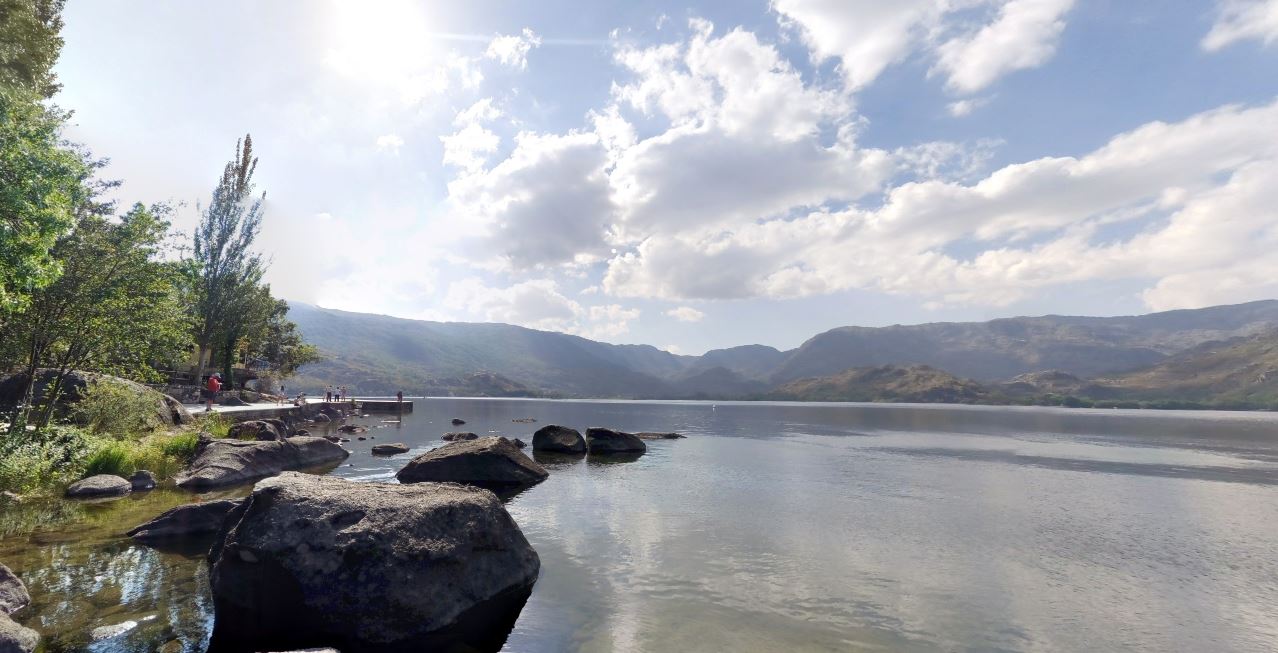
x,y
210,391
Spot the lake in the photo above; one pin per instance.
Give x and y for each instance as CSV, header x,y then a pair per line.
x,y
800,527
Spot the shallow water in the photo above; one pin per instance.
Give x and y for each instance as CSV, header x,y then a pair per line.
x,y
797,527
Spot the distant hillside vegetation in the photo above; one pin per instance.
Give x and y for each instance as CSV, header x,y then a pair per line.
x,y
912,384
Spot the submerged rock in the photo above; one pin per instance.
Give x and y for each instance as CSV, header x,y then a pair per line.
x,y
232,462
351,428
13,594
323,561
321,417
646,435
609,441
102,485
493,463
16,638
142,480
558,439
390,449
458,421
457,437
193,520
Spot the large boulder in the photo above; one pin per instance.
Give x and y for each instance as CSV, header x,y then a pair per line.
x,y
221,463
609,441
13,594
258,429
193,520
15,638
323,561
558,439
493,462
168,411
101,485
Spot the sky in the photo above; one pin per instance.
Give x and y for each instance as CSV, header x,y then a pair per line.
x,y
696,176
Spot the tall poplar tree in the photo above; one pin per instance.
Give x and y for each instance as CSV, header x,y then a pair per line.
x,y
223,265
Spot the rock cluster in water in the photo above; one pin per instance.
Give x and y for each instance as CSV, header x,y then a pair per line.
x,y
310,561
100,485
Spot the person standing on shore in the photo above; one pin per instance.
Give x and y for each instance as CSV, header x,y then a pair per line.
x,y
328,393
210,391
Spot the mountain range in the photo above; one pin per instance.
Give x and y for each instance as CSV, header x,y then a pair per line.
x,y
1127,356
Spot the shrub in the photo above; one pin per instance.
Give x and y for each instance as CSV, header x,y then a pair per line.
x,y
33,461
181,446
116,410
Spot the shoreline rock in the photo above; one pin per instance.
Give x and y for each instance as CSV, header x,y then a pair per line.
x,y
193,520
101,485
604,441
13,593
558,439
16,638
493,463
223,463
458,437
142,480
311,561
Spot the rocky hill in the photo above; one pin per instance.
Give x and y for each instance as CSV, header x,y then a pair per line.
x,y
375,354
1239,371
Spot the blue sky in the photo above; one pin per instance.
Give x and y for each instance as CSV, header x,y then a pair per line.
x,y
696,176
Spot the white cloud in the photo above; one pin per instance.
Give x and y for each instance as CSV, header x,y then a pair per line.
x,y
469,147
512,49
868,36
1024,35
686,314
546,203
389,143
961,108
1239,20
1194,193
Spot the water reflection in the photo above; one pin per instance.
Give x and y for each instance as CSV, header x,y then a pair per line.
x,y
792,527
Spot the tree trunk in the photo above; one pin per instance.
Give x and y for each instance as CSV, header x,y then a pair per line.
x,y
199,366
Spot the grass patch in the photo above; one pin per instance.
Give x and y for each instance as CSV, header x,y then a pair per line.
x,y
215,424
64,454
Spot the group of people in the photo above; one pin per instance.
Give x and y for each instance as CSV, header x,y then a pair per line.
x,y
335,393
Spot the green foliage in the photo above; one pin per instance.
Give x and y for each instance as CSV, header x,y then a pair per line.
x,y
110,457
281,344
30,44
41,189
215,424
31,461
116,410
180,446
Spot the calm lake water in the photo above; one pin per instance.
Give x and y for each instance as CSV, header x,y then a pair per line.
x,y
797,527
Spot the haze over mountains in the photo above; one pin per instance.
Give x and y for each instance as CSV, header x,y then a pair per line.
x,y
374,354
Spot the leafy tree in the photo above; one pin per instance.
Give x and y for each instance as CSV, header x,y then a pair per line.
x,y
114,309
30,43
282,347
41,180
223,267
